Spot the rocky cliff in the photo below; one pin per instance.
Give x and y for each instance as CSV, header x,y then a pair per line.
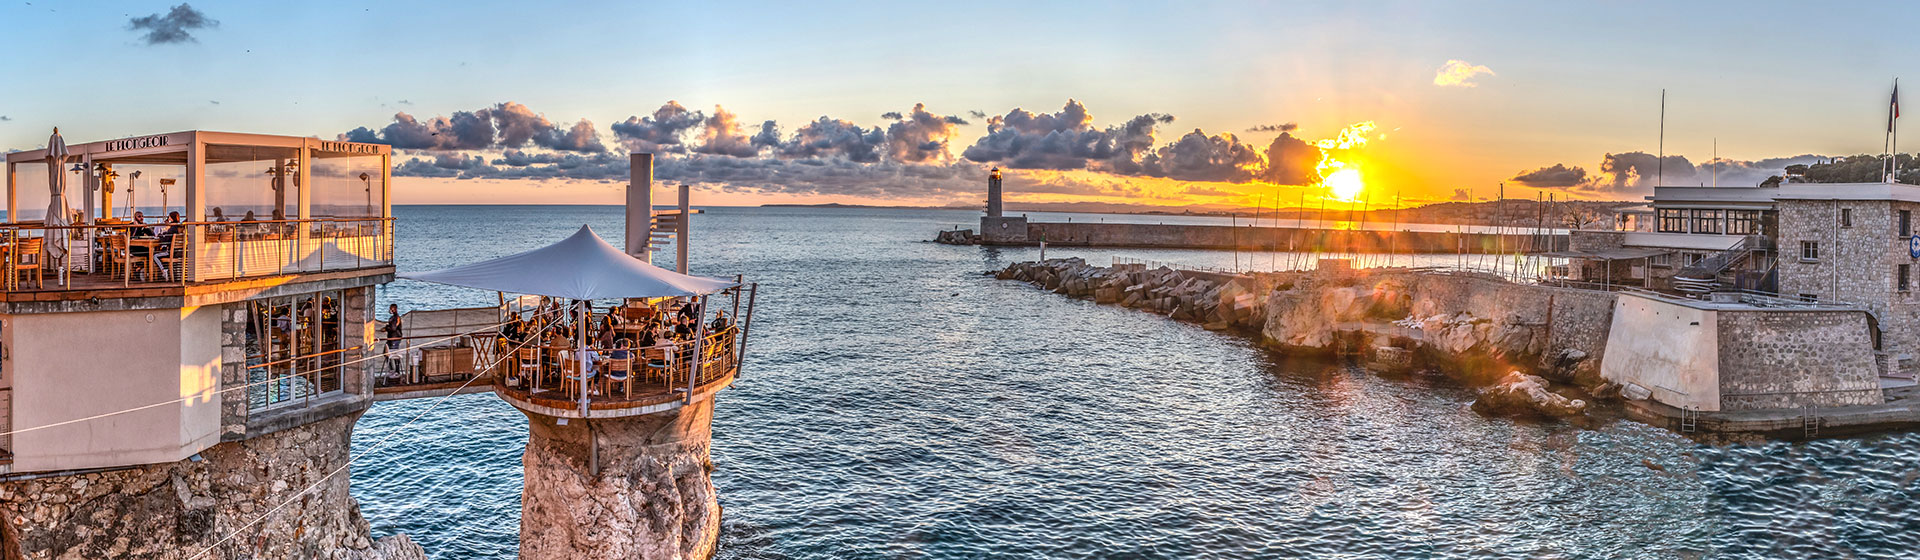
x,y
175,510
633,487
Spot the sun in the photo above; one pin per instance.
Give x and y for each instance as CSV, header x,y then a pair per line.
x,y
1345,184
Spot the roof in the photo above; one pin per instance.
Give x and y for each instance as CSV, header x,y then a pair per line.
x,y
1621,253
582,266
1849,191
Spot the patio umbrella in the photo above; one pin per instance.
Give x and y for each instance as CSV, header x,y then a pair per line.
x,y
57,185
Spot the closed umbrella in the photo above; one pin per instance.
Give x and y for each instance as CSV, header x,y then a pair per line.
x,y
57,184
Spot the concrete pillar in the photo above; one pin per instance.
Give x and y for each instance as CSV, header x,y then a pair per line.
x,y
994,203
640,206
685,224
630,487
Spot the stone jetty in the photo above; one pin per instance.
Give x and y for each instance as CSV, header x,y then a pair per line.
x,y
1219,301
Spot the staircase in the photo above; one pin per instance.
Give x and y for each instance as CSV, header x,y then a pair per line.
x,y
1704,276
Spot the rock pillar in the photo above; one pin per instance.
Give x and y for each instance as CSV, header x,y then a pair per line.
x,y
628,487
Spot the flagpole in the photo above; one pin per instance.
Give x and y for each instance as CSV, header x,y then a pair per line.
x,y
1894,132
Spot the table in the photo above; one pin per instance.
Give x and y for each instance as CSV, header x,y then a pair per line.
x,y
152,245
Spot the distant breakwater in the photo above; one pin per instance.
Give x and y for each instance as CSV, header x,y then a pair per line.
x,y
1248,238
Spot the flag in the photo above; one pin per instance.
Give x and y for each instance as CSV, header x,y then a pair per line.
x,y
1893,110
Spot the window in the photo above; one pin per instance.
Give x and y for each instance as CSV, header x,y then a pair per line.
x,y
293,345
1743,222
1906,223
1706,221
1846,217
1809,250
1672,221
1694,258
1663,260
1902,274
1810,298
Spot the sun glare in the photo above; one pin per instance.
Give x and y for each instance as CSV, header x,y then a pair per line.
x,y
1345,184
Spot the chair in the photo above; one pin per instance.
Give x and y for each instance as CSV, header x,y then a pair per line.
x,y
120,259
573,374
529,359
659,364
618,371
26,257
175,257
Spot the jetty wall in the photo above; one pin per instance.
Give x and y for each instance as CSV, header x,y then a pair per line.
x,y
175,510
1478,328
1250,238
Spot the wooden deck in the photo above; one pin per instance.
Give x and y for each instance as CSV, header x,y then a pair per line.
x,y
100,286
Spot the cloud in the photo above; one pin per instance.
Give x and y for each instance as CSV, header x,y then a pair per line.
x,y
920,135
506,125
1461,195
1459,73
1638,172
828,137
1199,157
176,26
721,134
1283,127
660,132
1291,161
1197,190
1063,140
4,118
978,114
1556,175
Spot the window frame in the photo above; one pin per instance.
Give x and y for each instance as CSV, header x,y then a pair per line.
x,y
1809,251
1665,216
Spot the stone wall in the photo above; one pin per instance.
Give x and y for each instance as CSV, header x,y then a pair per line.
x,y
1794,358
175,510
632,487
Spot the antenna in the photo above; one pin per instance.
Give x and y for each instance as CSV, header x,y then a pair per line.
x,y
1660,161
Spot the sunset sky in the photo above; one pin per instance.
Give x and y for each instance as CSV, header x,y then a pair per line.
x,y
882,104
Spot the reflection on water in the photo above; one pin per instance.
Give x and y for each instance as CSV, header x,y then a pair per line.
x,y
897,403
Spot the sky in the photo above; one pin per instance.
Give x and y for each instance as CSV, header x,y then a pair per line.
x,y
1150,104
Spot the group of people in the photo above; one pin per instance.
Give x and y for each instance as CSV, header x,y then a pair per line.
x,y
611,335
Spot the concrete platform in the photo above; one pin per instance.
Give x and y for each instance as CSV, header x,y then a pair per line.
x,y
1901,412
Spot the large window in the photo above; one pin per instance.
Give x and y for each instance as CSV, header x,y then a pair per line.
x,y
1706,221
293,349
1743,222
1673,221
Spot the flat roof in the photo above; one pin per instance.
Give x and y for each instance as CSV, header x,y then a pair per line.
x,y
1682,196
135,147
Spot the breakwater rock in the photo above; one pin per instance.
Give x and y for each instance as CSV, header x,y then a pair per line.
x,y
1519,394
1217,300
175,510
625,487
1474,327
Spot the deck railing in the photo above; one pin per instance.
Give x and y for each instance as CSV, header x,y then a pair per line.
x,y
103,256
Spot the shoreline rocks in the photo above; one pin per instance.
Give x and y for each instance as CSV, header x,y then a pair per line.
x,y
1519,394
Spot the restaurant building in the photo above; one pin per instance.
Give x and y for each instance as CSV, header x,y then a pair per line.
x,y
137,343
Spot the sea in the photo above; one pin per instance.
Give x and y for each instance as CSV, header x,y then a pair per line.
x,y
895,402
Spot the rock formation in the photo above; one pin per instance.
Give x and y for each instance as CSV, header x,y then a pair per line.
x,y
631,487
1519,394
174,510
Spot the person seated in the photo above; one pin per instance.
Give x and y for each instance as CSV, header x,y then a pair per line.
x,y
649,337
219,216
139,228
683,330
719,322
514,332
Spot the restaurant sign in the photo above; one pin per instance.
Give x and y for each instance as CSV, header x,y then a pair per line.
x,y
139,143
350,147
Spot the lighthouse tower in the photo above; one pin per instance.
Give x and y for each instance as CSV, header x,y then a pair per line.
x,y
995,227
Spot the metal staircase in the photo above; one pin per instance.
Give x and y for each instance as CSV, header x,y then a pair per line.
x,y
1704,276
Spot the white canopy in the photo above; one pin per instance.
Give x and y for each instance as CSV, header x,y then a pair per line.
x,y
581,266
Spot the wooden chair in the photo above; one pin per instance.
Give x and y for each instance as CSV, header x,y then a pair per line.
x,y
27,257
658,365
120,260
572,372
175,257
529,361
618,371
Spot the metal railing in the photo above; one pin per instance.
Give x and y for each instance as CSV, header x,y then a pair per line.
x,y
100,256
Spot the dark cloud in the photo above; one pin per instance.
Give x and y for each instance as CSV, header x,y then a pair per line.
x,y
1132,142
1461,195
978,114
1291,161
661,132
1284,127
1198,157
829,137
920,135
1061,140
1637,173
1556,175
4,118
176,26
507,125
768,137
721,135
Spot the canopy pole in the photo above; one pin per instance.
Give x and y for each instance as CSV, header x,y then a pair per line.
x,y
580,364
699,347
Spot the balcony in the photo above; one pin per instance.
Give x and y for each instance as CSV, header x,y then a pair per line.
x,y
42,263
